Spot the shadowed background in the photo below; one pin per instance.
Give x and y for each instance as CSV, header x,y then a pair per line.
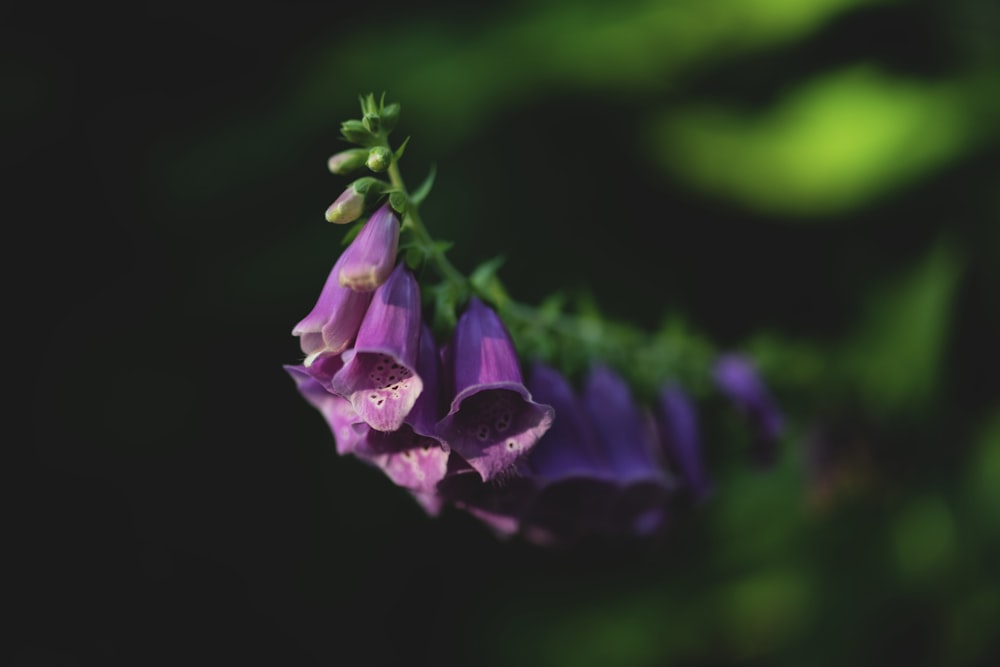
x,y
814,183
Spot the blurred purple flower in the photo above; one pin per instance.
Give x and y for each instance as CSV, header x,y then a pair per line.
x,y
627,436
737,378
677,422
369,259
379,375
493,421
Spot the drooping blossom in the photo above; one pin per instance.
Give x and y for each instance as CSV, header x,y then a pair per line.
x,y
338,412
576,489
413,456
369,259
379,376
411,461
626,433
677,423
332,324
492,421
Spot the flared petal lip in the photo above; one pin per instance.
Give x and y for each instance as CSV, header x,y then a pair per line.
x,y
471,390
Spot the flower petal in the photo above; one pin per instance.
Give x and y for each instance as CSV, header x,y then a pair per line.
x,y
677,423
569,448
369,259
333,322
625,432
380,376
339,414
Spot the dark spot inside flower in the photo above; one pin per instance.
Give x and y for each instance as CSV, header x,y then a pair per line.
x,y
502,422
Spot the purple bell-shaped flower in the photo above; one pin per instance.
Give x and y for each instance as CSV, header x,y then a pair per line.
x,y
379,376
371,256
677,423
493,421
332,324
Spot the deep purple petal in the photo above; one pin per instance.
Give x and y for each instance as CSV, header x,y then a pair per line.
x,y
677,422
427,409
369,259
569,448
623,429
493,421
379,375
339,414
333,322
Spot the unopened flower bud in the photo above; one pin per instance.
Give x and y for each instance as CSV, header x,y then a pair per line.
x,y
347,161
357,132
359,195
372,122
348,207
389,116
379,158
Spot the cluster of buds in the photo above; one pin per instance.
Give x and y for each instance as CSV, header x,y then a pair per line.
x,y
457,421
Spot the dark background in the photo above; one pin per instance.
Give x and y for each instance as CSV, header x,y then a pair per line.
x,y
178,502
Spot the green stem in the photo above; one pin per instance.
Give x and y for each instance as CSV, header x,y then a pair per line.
x,y
646,357
434,253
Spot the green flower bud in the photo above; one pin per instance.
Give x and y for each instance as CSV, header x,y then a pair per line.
x,y
389,116
372,122
379,158
357,132
347,161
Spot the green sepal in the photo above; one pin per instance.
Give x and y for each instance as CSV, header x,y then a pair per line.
x,y
389,115
402,149
356,132
424,189
398,201
486,282
366,184
447,298
443,246
372,122
414,257
368,103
